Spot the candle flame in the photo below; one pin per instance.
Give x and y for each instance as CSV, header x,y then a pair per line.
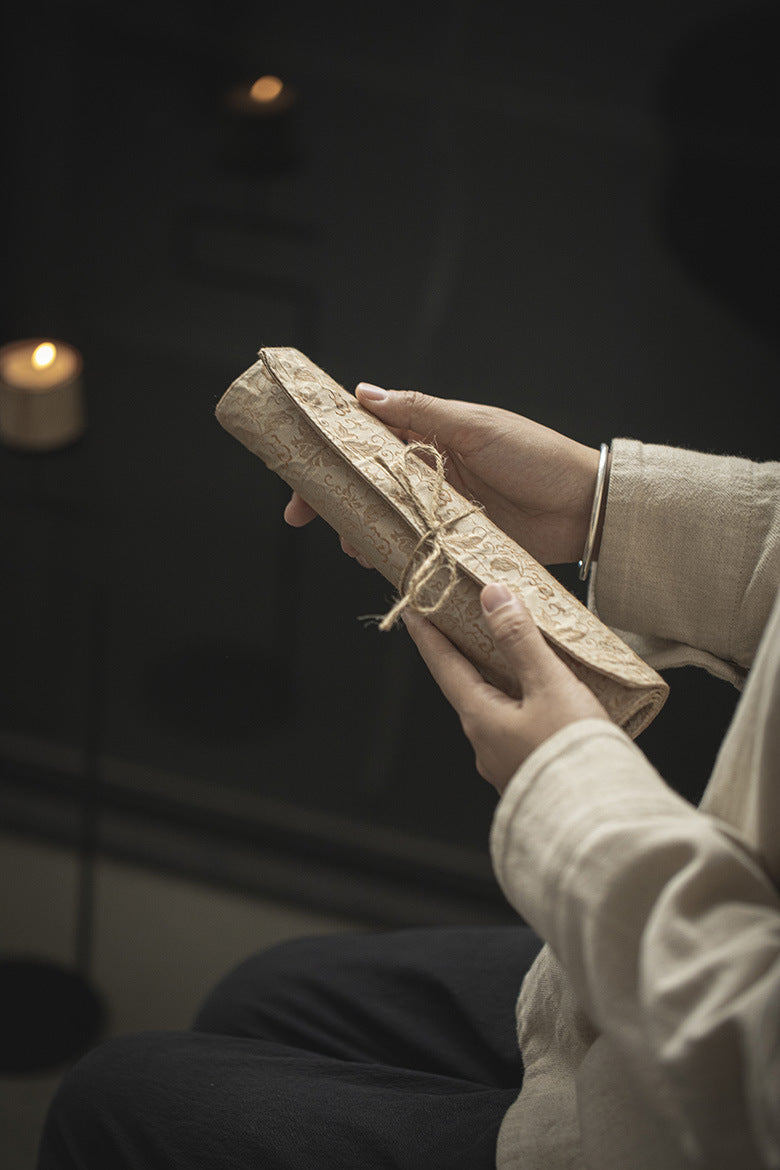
x,y
266,88
43,355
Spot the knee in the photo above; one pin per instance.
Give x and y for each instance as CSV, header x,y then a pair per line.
x,y
265,978
92,1105
90,1086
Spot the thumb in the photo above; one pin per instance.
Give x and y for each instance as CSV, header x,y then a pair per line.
x,y
411,411
518,638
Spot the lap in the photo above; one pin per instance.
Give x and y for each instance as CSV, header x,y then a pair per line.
x,y
188,1101
387,1050
440,1000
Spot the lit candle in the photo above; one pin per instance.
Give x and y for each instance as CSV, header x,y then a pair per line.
x,y
259,134
268,97
41,394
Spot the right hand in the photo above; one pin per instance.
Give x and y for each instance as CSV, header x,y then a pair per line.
x,y
534,483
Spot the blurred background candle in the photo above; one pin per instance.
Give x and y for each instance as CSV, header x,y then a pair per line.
x,y
268,97
41,394
259,126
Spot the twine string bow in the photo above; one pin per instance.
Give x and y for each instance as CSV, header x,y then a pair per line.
x,y
416,579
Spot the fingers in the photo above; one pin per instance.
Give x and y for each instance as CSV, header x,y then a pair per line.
x,y
298,512
351,551
516,635
455,675
411,413
520,641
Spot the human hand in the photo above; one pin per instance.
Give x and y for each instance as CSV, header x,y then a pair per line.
x,y
534,483
504,731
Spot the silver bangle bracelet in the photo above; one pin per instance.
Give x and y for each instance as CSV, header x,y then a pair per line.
x,y
595,514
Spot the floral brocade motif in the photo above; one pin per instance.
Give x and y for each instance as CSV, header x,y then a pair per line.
x,y
339,457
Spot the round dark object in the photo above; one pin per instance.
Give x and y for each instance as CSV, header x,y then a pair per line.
x,y
49,1016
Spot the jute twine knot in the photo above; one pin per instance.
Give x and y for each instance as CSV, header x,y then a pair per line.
x,y
415,580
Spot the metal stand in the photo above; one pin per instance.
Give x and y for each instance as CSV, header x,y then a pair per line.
x,y
51,1014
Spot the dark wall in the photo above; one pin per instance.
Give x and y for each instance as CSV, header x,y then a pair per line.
x,y
563,209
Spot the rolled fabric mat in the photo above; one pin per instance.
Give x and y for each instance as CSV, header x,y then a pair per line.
x,y
393,507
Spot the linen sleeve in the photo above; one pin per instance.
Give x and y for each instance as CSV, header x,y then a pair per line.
x,y
689,563
668,928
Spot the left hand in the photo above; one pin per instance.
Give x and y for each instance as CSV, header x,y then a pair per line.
x,y
504,731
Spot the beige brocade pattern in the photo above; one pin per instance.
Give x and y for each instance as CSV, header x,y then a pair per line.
x,y
322,442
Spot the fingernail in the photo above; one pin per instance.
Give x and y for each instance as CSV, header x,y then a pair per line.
x,y
494,596
371,393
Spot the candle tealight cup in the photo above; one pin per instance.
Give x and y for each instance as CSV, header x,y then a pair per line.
x,y
41,395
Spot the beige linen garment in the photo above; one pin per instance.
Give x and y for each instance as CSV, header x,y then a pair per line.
x,y
650,1023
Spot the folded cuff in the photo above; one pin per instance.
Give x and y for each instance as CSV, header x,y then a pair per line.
x,y
584,777
690,551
